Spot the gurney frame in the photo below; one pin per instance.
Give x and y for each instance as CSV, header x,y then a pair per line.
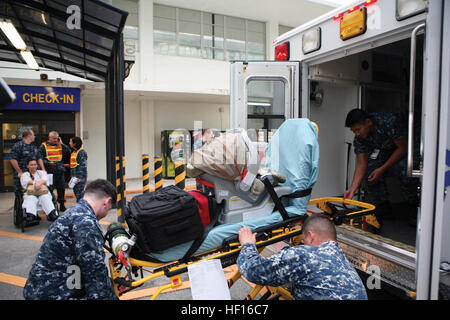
x,y
128,275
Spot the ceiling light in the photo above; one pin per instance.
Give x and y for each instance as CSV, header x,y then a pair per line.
x,y
11,32
29,59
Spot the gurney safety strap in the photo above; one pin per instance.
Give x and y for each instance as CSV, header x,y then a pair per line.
x,y
278,204
276,200
299,193
197,242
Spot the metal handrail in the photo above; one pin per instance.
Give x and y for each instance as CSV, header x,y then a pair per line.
x,y
412,83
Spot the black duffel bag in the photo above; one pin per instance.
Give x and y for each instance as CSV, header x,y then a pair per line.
x,y
164,218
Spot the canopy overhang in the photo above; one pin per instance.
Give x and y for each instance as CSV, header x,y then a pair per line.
x,y
82,38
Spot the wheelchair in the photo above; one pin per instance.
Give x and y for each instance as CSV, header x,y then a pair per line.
x,y
19,214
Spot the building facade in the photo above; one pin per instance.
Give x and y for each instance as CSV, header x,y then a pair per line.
x,y
180,77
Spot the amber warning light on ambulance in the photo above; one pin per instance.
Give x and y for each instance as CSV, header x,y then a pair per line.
x,y
282,52
351,9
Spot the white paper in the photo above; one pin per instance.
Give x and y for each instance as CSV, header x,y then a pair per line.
x,y
208,281
73,181
49,179
247,182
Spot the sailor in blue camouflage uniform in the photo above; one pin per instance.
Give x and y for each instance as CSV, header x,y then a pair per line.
x,y
317,270
78,166
380,146
71,261
21,152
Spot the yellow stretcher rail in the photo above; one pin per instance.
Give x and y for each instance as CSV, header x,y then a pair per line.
x,y
228,253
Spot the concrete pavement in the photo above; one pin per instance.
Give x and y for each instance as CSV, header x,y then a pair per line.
x,y
18,251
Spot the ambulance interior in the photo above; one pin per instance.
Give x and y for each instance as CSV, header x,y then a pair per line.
x,y
374,80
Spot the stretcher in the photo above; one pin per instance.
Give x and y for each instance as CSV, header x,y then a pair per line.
x,y
132,271
276,213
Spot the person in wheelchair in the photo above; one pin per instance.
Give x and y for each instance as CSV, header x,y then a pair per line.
x,y
35,183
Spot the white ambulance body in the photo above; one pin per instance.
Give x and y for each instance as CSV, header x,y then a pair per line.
x,y
382,55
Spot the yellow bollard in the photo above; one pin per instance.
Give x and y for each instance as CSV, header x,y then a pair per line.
x,y
158,173
145,174
180,175
121,189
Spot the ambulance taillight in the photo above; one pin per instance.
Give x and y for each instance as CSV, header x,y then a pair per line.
x,y
282,52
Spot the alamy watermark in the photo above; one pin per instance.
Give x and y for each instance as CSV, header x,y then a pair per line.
x,y
74,20
74,279
373,282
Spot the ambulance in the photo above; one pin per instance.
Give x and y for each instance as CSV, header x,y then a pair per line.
x,y
376,55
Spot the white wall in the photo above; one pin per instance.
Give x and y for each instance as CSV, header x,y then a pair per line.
x,y
181,74
337,101
132,128
93,117
94,134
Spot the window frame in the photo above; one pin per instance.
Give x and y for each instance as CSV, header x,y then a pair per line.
x,y
214,50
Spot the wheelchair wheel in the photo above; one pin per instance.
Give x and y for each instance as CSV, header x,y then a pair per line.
x,y
18,212
22,224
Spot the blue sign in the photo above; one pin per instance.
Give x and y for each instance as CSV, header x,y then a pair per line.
x,y
45,98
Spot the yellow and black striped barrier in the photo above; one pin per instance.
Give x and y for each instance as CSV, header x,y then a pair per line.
x,y
145,173
158,173
121,189
180,175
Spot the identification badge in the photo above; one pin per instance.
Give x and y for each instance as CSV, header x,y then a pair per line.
x,y
374,154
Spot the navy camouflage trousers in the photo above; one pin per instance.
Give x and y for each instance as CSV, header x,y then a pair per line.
x,y
376,192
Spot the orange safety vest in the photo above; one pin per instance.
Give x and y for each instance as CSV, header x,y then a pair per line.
x,y
73,158
54,153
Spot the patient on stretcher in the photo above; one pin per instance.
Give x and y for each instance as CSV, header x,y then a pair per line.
x,y
231,165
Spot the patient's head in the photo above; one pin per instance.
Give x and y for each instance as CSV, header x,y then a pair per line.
x,y
32,165
318,229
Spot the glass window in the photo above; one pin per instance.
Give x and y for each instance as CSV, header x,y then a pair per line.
x,y
189,33
235,38
213,36
164,12
164,30
132,6
256,39
189,15
185,32
131,29
265,106
266,97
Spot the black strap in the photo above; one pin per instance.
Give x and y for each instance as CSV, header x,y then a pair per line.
x,y
299,193
197,242
349,147
275,198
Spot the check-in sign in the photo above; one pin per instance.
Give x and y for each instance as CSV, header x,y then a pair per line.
x,y
45,98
